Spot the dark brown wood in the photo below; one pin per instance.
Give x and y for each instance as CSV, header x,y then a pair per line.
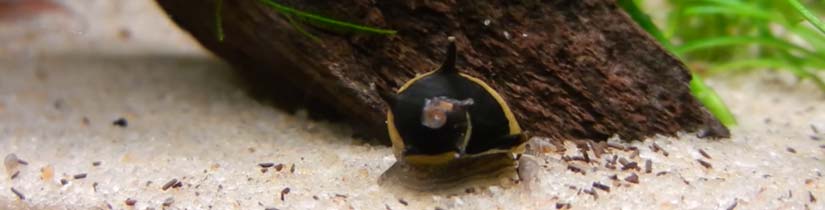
x,y
575,69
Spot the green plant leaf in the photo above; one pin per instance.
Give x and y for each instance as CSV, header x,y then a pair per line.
x,y
802,73
300,29
705,94
644,21
749,64
816,39
808,15
740,40
732,11
767,63
324,21
219,20
711,100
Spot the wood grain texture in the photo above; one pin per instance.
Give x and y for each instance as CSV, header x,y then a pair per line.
x,y
575,69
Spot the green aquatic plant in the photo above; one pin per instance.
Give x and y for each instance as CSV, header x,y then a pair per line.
x,y
717,36
742,35
705,94
808,15
325,22
295,17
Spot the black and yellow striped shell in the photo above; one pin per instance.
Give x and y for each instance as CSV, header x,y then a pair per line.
x,y
444,115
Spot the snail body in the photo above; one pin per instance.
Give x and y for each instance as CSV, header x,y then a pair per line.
x,y
445,115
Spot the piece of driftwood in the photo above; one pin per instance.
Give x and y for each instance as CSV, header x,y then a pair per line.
x,y
570,69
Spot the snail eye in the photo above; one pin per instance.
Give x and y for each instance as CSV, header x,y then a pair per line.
x,y
434,119
434,113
